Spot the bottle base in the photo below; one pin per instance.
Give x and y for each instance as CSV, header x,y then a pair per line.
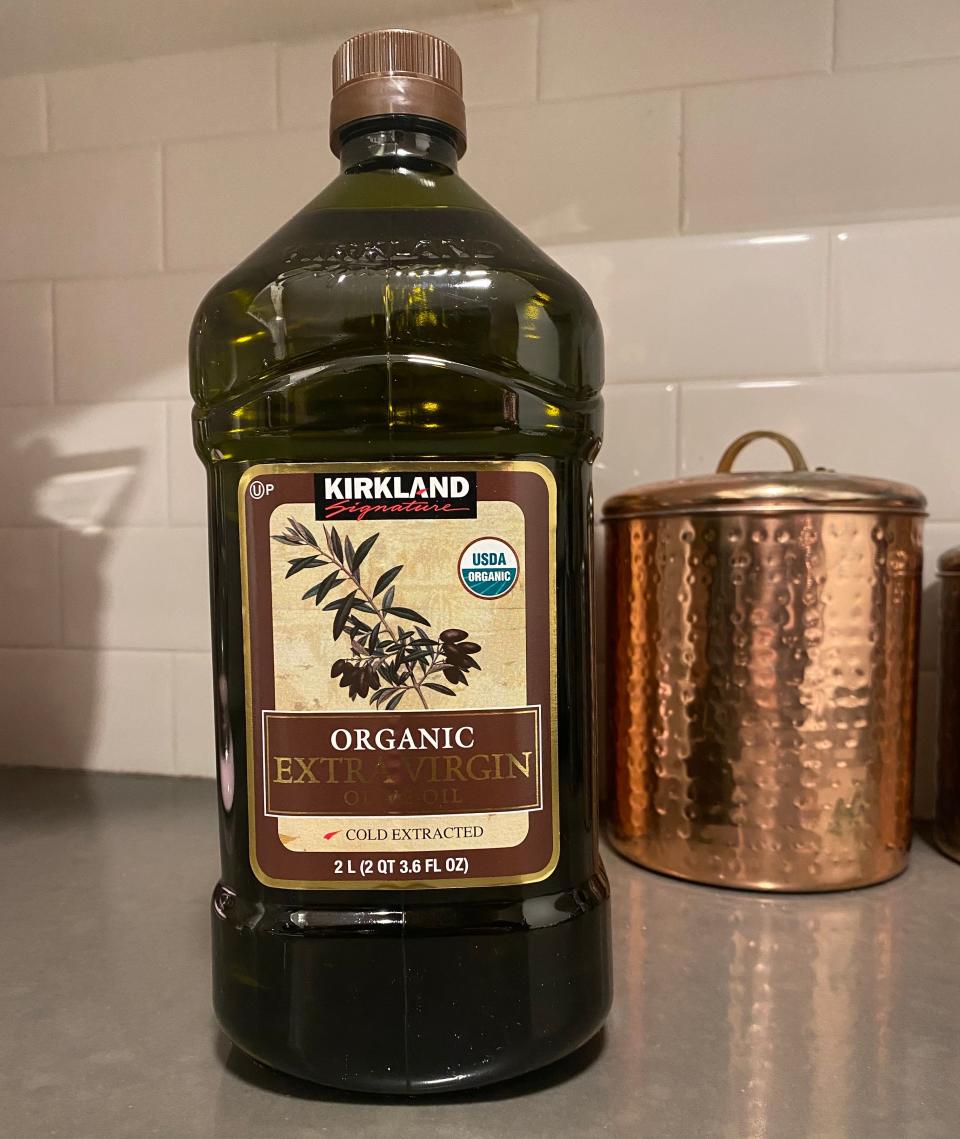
x,y
433,1000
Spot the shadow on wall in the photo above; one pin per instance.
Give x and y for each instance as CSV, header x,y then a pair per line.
x,y
55,697
102,562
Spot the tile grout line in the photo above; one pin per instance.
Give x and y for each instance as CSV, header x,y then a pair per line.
x,y
51,291
538,57
756,80
682,164
701,85
164,221
826,363
276,86
174,748
133,275
199,527
834,23
812,375
168,462
825,72
45,91
61,588
212,271
678,427
101,649
186,140
878,369
886,65
759,78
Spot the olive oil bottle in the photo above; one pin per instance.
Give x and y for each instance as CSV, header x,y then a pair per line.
x,y
397,401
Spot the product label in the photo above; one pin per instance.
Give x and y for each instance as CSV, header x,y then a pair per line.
x,y
400,645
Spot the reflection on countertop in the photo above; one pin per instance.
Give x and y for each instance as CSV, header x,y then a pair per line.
x,y
736,1016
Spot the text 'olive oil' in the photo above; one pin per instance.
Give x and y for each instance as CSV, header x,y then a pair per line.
x,y
397,404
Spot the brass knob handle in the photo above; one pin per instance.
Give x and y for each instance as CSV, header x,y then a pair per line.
x,y
729,457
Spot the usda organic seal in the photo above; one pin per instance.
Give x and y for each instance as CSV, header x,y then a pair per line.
x,y
488,567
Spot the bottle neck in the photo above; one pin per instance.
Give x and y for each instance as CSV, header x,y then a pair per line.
x,y
388,144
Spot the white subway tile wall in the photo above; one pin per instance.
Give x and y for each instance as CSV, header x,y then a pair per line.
x,y
896,296
188,484
193,728
891,31
30,580
205,94
92,213
632,45
222,197
125,588
621,151
707,306
639,438
898,426
125,337
84,466
763,198
822,148
26,332
100,710
23,124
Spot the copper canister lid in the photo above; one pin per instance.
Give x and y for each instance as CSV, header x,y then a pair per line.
x,y
397,72
767,491
949,562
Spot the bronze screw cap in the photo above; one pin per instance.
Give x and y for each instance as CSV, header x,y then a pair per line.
x,y
397,72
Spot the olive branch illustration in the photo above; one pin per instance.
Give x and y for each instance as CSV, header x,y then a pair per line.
x,y
389,659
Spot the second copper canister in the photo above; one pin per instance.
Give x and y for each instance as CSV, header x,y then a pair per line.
x,y
947,829
762,664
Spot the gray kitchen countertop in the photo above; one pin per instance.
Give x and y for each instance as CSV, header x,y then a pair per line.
x,y
736,1016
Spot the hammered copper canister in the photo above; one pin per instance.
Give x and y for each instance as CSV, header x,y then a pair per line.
x,y
762,666
947,827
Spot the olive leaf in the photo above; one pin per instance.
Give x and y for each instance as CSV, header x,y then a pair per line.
x,y
385,578
407,614
322,588
361,552
302,532
343,612
297,565
334,543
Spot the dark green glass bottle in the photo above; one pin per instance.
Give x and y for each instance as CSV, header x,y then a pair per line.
x,y
397,401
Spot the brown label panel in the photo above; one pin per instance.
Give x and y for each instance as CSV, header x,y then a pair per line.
x,y
401,717
402,763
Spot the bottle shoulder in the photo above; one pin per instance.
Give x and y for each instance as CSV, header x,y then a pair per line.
x,y
438,274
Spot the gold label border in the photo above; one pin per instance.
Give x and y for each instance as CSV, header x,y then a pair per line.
x,y
544,473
